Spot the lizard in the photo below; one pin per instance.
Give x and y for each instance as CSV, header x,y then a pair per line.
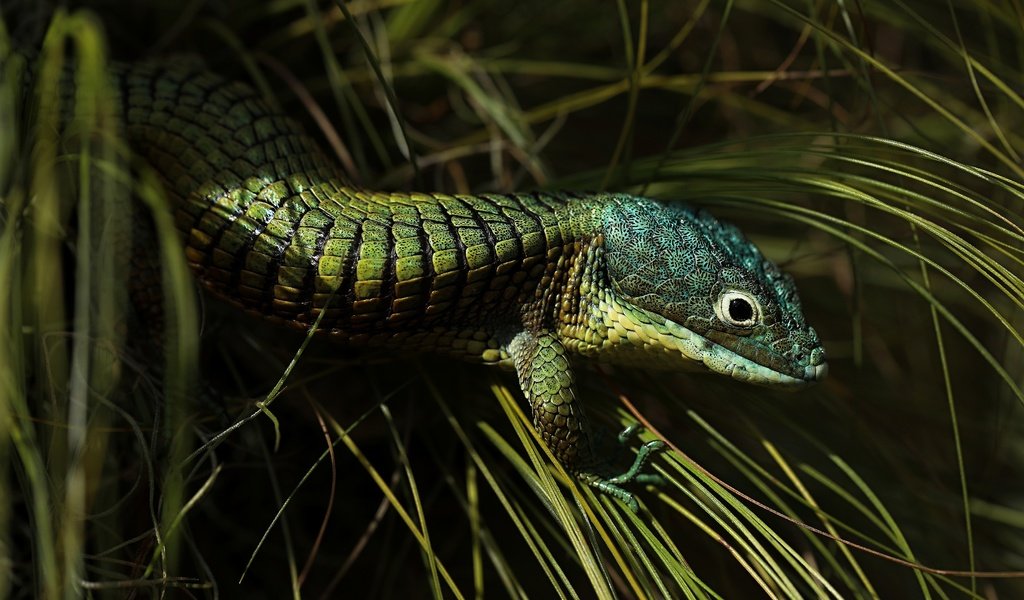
x,y
534,282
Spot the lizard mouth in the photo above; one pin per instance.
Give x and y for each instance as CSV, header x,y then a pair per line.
x,y
744,369
772,369
747,359
660,343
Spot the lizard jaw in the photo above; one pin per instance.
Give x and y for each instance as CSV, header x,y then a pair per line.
x,y
721,360
639,337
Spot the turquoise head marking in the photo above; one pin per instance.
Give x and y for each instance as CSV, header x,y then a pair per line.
x,y
708,292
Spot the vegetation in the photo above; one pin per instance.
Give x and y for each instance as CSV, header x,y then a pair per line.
x,y
873,148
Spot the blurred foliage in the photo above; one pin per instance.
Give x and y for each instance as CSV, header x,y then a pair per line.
x,y
872,148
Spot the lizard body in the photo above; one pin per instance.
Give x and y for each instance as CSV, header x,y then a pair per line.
x,y
528,281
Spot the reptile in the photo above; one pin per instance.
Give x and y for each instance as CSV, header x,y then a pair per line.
x,y
535,282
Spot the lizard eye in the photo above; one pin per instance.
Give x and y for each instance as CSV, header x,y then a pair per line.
x,y
738,309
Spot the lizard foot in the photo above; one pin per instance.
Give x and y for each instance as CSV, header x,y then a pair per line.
x,y
612,485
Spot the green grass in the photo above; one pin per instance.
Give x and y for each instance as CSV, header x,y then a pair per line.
x,y
873,149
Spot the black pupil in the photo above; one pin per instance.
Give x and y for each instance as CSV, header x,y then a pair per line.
x,y
740,310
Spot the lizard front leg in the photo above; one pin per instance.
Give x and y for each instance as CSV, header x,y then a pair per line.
x,y
547,381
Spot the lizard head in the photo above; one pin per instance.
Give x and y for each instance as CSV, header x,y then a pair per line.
x,y
682,281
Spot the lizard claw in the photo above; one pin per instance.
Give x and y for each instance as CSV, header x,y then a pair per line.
x,y
612,485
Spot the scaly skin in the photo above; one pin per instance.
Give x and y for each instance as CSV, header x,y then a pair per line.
x,y
529,281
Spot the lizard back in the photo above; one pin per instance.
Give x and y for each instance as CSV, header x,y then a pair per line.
x,y
270,223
